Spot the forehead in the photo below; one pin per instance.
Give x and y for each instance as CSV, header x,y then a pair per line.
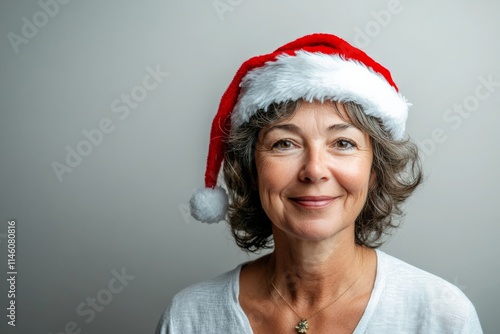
x,y
317,113
328,109
315,118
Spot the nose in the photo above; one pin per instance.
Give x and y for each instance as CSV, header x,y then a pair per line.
x,y
315,165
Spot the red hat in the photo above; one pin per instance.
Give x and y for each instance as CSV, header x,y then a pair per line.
x,y
314,67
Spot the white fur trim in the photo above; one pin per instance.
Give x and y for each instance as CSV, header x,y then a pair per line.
x,y
318,76
209,205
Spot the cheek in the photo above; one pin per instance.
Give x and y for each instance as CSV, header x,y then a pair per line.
x,y
274,175
270,176
354,177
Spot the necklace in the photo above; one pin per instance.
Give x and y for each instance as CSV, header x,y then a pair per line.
x,y
303,325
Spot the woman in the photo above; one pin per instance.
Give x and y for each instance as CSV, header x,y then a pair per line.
x,y
317,166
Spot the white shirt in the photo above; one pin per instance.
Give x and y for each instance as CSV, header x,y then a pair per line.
x,y
404,299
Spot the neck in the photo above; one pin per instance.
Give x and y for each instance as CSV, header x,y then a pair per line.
x,y
312,273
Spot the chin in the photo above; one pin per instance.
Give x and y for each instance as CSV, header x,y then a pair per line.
x,y
320,229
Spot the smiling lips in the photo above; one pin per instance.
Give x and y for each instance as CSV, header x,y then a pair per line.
x,y
313,202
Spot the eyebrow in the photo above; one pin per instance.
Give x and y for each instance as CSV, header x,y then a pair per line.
x,y
295,129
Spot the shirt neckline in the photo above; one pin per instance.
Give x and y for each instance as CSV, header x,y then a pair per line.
x,y
380,279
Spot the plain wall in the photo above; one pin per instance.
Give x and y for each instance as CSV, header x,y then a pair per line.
x,y
123,207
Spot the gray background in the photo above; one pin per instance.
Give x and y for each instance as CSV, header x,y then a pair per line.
x,y
124,205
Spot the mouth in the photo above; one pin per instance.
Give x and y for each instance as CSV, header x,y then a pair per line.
x,y
313,202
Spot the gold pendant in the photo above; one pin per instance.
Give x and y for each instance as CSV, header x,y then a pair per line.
x,y
302,326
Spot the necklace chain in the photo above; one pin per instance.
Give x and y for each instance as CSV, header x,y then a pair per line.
x,y
303,324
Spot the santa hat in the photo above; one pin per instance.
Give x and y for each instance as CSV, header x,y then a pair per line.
x,y
314,67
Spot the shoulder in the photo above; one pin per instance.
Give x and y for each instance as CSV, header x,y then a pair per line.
x,y
421,299
209,288
203,296
205,305
402,276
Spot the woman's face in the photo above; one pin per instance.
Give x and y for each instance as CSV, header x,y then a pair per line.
x,y
314,172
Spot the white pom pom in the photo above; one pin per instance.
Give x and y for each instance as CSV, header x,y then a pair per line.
x,y
209,205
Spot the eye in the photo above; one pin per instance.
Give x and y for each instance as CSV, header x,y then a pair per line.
x,y
283,144
344,144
